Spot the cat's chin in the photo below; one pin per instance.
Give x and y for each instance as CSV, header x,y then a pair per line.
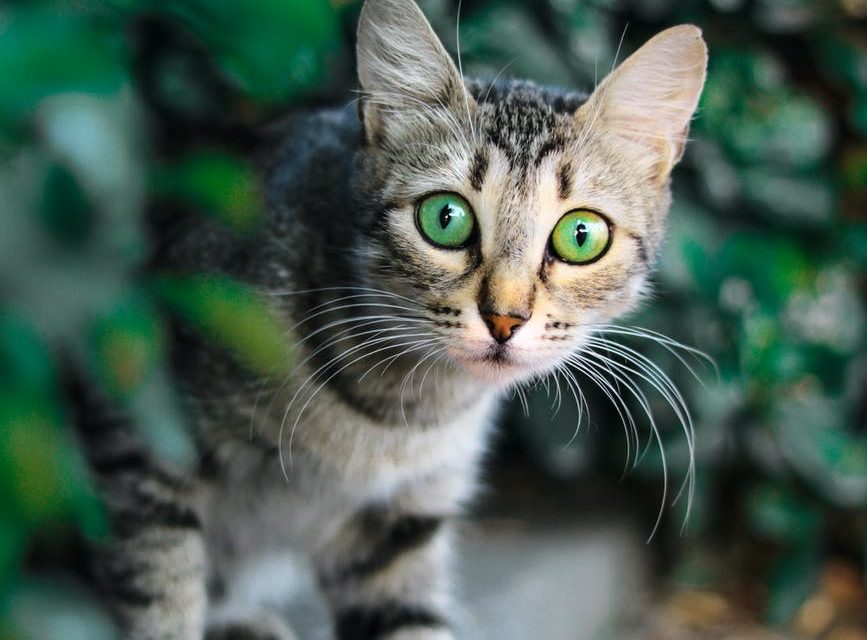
x,y
500,371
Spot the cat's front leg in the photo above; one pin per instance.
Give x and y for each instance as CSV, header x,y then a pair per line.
x,y
151,570
385,574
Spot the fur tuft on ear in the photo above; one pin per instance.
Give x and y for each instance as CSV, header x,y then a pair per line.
x,y
649,100
402,65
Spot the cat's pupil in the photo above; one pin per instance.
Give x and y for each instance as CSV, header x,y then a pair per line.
x,y
581,234
445,216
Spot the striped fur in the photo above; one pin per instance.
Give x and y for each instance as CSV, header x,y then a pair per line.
x,y
363,457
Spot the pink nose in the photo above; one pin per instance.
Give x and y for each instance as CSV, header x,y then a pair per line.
x,y
502,327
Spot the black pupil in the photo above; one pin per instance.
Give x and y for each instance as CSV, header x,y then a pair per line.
x,y
445,216
581,234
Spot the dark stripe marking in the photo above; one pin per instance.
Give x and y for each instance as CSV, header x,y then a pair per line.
x,y
130,522
479,169
642,249
564,180
548,147
373,623
405,534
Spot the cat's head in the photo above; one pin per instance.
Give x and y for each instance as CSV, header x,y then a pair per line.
x,y
518,218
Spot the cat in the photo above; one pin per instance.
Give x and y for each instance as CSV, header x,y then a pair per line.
x,y
441,243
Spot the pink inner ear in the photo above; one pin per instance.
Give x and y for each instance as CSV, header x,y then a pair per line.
x,y
651,97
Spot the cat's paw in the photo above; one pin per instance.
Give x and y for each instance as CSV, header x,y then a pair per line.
x,y
260,627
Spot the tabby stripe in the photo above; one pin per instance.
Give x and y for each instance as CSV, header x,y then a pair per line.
x,y
479,169
128,523
564,180
642,249
377,622
405,534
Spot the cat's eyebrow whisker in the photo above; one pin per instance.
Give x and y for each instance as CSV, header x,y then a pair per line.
x,y
599,100
461,71
497,77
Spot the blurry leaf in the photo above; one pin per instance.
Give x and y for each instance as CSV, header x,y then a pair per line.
x,y
99,139
858,114
12,542
773,265
798,201
778,513
65,210
41,479
127,352
843,55
55,609
127,342
507,37
791,583
686,259
45,51
852,240
854,168
812,436
25,362
156,414
270,49
216,184
232,315
747,107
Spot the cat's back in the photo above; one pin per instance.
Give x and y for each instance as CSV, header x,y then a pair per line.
x,y
308,158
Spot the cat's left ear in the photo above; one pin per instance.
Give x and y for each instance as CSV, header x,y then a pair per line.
x,y
649,100
403,68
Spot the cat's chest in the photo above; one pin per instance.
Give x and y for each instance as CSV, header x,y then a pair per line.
x,y
332,466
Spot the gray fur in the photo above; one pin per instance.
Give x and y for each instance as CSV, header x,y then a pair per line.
x,y
365,454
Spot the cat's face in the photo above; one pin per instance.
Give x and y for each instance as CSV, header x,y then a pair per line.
x,y
518,218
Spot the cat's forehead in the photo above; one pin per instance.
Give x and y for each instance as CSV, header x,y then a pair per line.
x,y
525,121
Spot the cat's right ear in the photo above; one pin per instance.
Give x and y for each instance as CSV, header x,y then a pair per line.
x,y
403,68
649,100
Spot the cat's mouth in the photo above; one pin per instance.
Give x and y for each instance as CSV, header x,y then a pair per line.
x,y
496,364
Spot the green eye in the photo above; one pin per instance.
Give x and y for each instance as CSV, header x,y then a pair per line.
x,y
581,237
445,220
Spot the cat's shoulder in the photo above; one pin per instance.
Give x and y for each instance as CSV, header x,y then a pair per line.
x,y
314,131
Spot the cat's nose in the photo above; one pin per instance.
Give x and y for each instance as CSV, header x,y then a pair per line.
x,y
502,327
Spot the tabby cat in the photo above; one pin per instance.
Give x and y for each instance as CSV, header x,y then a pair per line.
x,y
428,250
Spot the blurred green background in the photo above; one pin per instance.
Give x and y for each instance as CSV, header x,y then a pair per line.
x,y
116,112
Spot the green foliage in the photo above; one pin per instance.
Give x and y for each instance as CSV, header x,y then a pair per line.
x,y
85,150
109,108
